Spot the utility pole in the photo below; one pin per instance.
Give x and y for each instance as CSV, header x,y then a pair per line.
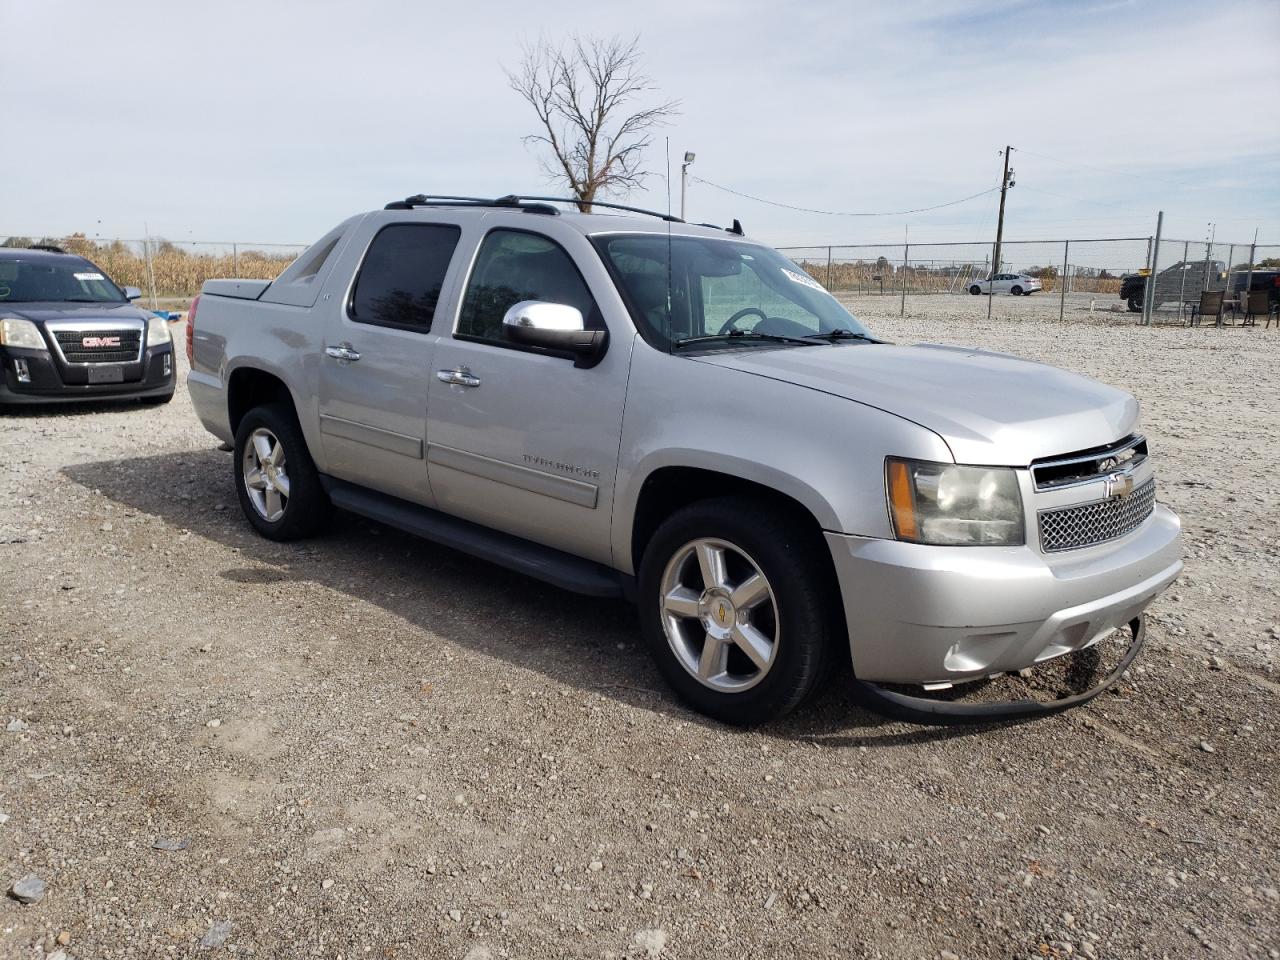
x,y
1006,181
684,179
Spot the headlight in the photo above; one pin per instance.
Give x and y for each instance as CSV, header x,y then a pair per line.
x,y
946,504
158,332
20,333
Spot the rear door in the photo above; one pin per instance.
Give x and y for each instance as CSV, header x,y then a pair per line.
x,y
377,359
520,439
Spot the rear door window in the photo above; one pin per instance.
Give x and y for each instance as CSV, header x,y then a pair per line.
x,y
402,275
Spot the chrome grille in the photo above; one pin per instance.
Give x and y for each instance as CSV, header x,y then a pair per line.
x,y
72,345
1085,466
1070,527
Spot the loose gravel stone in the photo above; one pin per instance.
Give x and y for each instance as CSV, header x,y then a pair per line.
x,y
217,934
651,941
29,889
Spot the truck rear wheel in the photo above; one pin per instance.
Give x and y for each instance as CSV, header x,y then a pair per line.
x,y
735,609
276,480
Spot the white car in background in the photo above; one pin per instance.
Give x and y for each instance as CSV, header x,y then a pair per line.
x,y
1017,284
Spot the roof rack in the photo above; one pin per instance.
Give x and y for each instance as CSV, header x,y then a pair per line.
x,y
46,247
518,201
444,200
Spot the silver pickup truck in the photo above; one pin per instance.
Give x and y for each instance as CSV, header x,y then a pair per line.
x,y
632,406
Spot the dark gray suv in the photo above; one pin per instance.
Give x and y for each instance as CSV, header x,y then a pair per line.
x,y
67,332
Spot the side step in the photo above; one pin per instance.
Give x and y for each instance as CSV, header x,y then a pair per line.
x,y
555,567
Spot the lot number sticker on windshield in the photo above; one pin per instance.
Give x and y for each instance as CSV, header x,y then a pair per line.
x,y
802,279
89,276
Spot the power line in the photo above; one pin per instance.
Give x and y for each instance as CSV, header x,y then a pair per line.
x,y
838,213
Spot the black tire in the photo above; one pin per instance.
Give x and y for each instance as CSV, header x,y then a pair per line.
x,y
1016,291
1135,304
306,508
157,401
975,290
805,601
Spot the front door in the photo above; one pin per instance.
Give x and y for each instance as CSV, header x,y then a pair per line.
x,y
377,362
520,439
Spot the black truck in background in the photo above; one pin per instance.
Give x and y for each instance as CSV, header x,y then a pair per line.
x,y
1183,281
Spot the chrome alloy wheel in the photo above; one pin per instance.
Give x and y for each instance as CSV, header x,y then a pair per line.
x,y
265,477
719,615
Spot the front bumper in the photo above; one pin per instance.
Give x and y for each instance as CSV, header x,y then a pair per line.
x,y
53,382
938,615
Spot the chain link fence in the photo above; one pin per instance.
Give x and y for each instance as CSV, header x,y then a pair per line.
x,y
1081,274
1185,270
172,270
1107,274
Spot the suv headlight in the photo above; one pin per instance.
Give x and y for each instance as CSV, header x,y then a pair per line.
x,y
158,332
20,333
950,505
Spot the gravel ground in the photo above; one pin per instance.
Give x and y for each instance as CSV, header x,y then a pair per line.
x,y
366,746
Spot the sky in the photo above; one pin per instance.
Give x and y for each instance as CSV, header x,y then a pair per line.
x,y
274,120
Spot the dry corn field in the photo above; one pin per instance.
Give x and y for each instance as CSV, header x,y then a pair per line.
x,y
178,272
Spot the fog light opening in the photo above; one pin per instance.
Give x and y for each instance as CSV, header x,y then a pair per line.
x,y
20,368
168,364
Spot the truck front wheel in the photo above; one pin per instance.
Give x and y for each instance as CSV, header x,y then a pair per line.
x,y
735,608
1135,304
276,480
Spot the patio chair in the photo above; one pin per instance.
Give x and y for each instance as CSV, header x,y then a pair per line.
x,y
1210,305
1257,305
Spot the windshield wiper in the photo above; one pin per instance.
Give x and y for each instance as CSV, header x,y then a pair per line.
x,y
745,335
84,300
841,334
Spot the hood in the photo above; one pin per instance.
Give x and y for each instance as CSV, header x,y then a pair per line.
x,y
56,310
990,408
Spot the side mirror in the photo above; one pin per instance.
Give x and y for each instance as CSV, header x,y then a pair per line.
x,y
132,293
554,326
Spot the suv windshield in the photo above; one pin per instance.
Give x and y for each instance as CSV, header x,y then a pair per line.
x,y
61,280
683,289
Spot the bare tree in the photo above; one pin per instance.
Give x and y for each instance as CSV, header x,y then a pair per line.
x,y
583,95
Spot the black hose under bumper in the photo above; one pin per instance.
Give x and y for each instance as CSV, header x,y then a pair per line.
x,y
925,710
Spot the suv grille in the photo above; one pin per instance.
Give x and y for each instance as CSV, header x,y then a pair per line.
x,y
1098,522
1088,465
101,348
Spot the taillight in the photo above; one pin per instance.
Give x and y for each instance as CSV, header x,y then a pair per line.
x,y
191,327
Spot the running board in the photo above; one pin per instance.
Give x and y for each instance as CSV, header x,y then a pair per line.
x,y
555,567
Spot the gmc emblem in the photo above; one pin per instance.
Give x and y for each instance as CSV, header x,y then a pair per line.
x,y
100,342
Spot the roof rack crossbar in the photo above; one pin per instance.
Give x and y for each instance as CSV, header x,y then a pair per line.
x,y
443,200
670,218
529,203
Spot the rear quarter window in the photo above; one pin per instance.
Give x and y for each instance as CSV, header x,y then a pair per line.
x,y
402,275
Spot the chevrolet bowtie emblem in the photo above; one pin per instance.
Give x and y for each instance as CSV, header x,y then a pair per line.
x,y
1119,484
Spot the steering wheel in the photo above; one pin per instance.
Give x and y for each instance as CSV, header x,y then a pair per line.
x,y
731,324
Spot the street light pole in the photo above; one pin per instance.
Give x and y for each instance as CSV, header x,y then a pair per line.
x,y
684,179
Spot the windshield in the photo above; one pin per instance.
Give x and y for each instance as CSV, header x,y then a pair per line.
x,y
60,279
683,289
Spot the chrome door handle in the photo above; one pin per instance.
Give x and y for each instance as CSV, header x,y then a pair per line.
x,y
461,376
342,351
